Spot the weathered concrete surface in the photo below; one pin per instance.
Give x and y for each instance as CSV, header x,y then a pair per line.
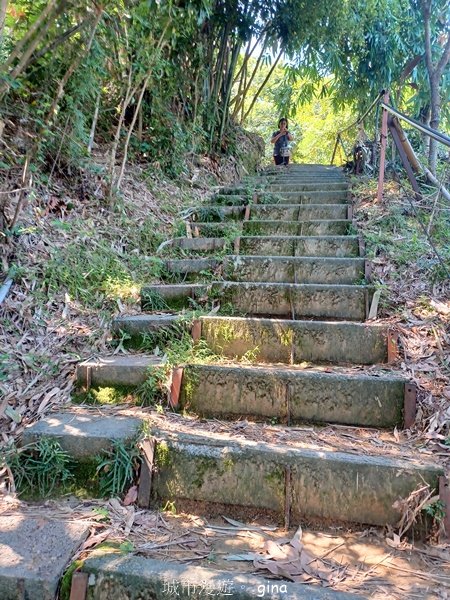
x,y
308,186
121,370
34,553
298,212
296,269
294,395
174,296
337,246
137,326
285,341
324,197
302,300
138,578
229,212
315,227
198,244
323,483
83,434
191,265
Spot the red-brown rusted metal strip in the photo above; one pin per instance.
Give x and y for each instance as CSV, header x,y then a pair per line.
x,y
237,245
444,497
196,330
78,590
392,345
247,213
410,405
148,448
175,386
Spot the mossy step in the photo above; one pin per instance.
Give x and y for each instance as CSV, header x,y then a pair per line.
x,y
290,395
327,197
125,577
282,212
311,185
134,328
276,269
294,269
338,246
186,266
347,302
308,186
314,227
299,212
121,370
306,480
293,342
199,244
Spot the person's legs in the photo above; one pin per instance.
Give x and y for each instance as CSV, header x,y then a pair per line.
x,y
278,160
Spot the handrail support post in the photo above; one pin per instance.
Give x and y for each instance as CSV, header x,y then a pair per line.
x,y
384,131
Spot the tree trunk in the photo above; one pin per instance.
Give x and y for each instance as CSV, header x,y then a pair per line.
x,y
3,8
262,86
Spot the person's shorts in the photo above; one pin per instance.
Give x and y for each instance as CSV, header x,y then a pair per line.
x,y
281,160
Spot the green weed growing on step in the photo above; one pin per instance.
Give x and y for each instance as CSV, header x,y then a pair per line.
x,y
66,580
210,215
117,468
40,467
153,300
436,510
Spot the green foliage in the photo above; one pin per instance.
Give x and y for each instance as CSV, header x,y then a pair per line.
x,y
40,467
116,468
436,510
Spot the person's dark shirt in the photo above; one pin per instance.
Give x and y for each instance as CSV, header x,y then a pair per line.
x,y
282,141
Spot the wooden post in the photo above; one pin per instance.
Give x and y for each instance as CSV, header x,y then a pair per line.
x,y
384,130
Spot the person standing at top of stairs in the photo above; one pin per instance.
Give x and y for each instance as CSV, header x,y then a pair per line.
x,y
281,139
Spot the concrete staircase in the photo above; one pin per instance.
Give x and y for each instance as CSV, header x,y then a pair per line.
x,y
296,282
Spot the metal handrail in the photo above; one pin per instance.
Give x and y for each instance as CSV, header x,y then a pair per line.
x,y
434,133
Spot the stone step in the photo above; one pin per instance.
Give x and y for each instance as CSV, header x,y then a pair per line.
x,y
347,302
297,479
111,371
175,296
204,244
136,328
187,266
306,186
297,228
294,342
282,212
276,269
306,481
289,185
84,434
333,246
319,301
330,197
35,551
290,395
294,269
277,227
125,576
